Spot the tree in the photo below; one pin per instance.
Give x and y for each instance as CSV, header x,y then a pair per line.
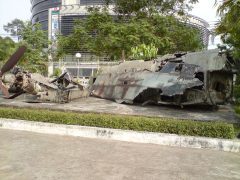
x,y
14,28
150,7
229,29
75,42
107,37
174,35
36,57
103,34
229,26
7,47
117,39
184,38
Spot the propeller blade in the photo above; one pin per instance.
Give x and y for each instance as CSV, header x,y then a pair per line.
x,y
4,89
13,60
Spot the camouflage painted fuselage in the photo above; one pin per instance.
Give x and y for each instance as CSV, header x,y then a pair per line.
x,y
195,78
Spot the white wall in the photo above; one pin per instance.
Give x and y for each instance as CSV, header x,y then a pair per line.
x,y
70,2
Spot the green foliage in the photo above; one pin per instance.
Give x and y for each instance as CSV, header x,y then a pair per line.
x,y
7,47
144,52
175,36
101,34
163,125
34,36
184,39
146,7
15,27
57,72
35,39
117,39
75,42
229,26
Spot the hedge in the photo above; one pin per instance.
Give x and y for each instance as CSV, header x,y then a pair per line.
x,y
136,123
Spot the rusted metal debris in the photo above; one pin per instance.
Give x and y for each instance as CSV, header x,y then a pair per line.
x,y
182,79
37,87
13,60
41,89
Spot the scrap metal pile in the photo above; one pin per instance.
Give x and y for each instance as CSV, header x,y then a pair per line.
x,y
37,87
181,79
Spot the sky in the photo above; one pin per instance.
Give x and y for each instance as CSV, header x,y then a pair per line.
x,y
206,10
12,9
21,9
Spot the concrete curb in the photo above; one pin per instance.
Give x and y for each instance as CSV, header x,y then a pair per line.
x,y
123,135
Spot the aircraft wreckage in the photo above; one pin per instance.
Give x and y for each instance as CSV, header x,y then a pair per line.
x,y
203,78
37,87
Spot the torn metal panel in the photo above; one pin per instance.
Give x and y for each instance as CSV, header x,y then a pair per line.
x,y
127,86
38,88
181,79
41,89
43,80
60,90
12,61
210,60
131,66
57,96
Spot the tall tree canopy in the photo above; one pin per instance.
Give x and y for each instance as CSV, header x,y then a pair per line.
x,y
229,29
34,38
36,57
7,47
229,26
149,7
14,27
104,34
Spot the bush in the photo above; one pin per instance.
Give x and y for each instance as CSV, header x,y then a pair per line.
x,y
57,72
162,125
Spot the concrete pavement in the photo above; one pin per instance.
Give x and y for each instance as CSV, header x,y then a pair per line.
x,y
27,156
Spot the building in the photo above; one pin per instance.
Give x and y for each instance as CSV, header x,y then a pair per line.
x,y
40,11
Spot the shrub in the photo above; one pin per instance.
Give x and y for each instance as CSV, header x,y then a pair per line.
x,y
57,72
162,125
144,52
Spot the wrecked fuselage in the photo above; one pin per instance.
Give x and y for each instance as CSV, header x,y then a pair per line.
x,y
40,89
194,78
36,87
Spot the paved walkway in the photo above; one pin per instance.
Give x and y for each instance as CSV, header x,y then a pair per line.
x,y
27,156
91,104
